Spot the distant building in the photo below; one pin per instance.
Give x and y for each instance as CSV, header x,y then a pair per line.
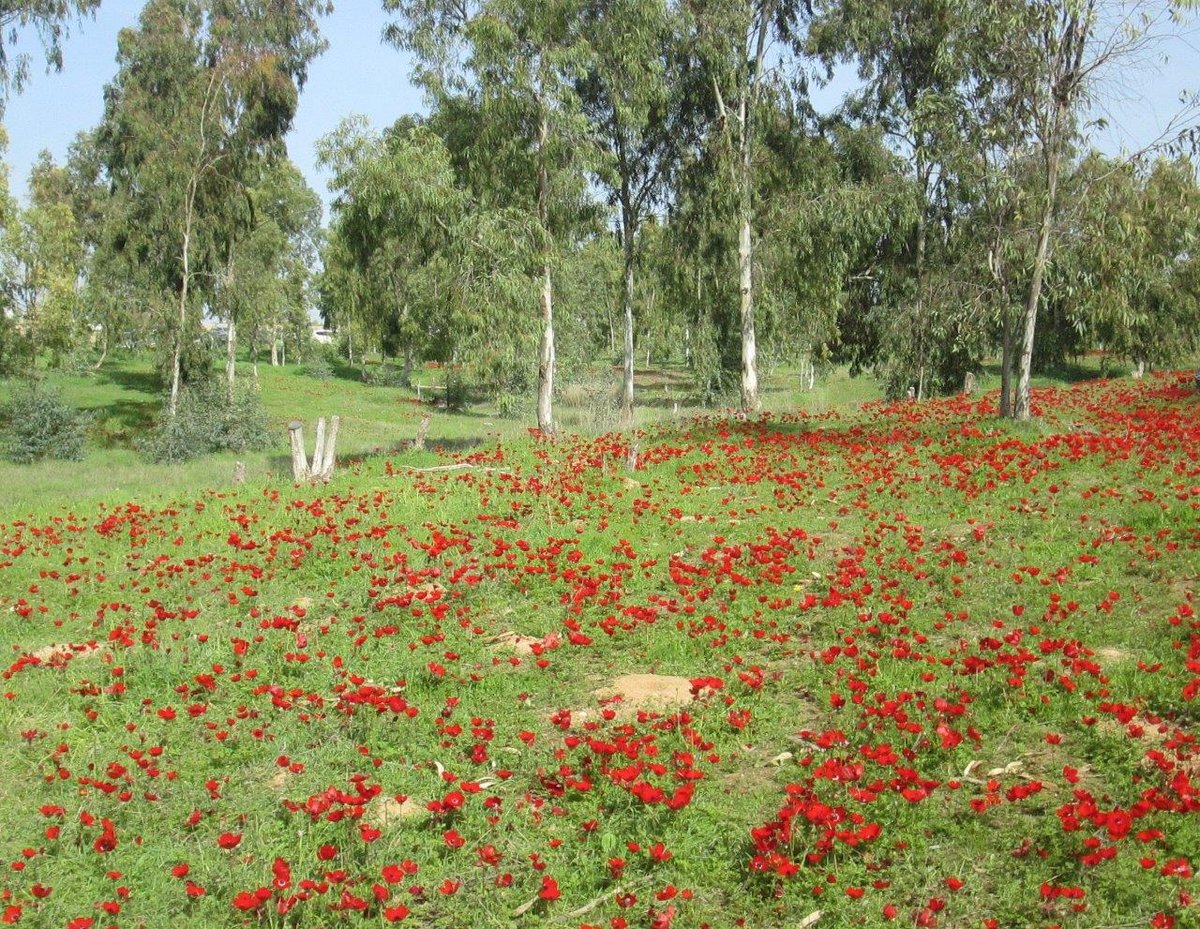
x,y
323,336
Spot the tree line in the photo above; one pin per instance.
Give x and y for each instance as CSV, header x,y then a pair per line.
x,y
622,179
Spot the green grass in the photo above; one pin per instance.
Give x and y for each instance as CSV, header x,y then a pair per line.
x,y
124,398
953,656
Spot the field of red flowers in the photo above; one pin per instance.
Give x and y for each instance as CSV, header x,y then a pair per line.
x,y
910,666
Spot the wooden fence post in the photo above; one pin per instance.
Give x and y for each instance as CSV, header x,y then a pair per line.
x,y
422,434
300,470
324,458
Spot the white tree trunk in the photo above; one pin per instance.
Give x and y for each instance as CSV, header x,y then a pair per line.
x,y
300,471
751,403
230,356
546,361
627,234
1022,406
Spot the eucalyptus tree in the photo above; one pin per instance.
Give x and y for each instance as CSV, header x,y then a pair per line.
x,y
1127,270
396,204
738,50
205,91
415,258
1048,60
632,98
917,66
517,64
268,252
41,252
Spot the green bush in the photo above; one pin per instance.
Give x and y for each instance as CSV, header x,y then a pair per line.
x,y
319,369
209,420
385,375
41,425
458,394
512,405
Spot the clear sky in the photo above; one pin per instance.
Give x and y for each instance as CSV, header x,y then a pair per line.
x,y
359,74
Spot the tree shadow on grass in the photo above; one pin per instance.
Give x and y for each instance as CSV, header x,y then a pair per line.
x,y
119,424
137,379
1070,372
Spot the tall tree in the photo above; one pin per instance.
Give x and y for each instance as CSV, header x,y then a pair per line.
x,y
519,63
912,72
415,259
42,254
1049,57
631,98
205,90
738,47
267,257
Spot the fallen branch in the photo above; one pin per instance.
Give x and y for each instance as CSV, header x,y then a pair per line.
x,y
457,466
592,904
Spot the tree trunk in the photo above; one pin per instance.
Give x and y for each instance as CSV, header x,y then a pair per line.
x,y
1022,407
628,231
274,349
751,402
178,354
1008,345
920,324
300,471
545,391
230,356
103,347
545,396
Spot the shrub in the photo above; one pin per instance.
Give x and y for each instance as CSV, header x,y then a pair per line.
x,y
41,425
458,394
385,375
319,369
209,420
513,405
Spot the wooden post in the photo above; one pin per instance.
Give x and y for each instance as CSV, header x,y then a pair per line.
x,y
422,433
300,470
239,472
328,459
319,449
324,458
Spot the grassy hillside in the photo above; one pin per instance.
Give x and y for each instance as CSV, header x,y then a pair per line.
x,y
902,664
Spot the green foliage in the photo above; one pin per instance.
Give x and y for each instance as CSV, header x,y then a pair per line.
x,y
1126,276
41,425
208,419
319,369
386,375
198,109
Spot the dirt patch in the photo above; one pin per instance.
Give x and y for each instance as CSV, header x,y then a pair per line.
x,y
632,693
57,656
383,812
515,642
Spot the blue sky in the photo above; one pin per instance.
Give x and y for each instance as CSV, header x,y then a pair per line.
x,y
359,74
